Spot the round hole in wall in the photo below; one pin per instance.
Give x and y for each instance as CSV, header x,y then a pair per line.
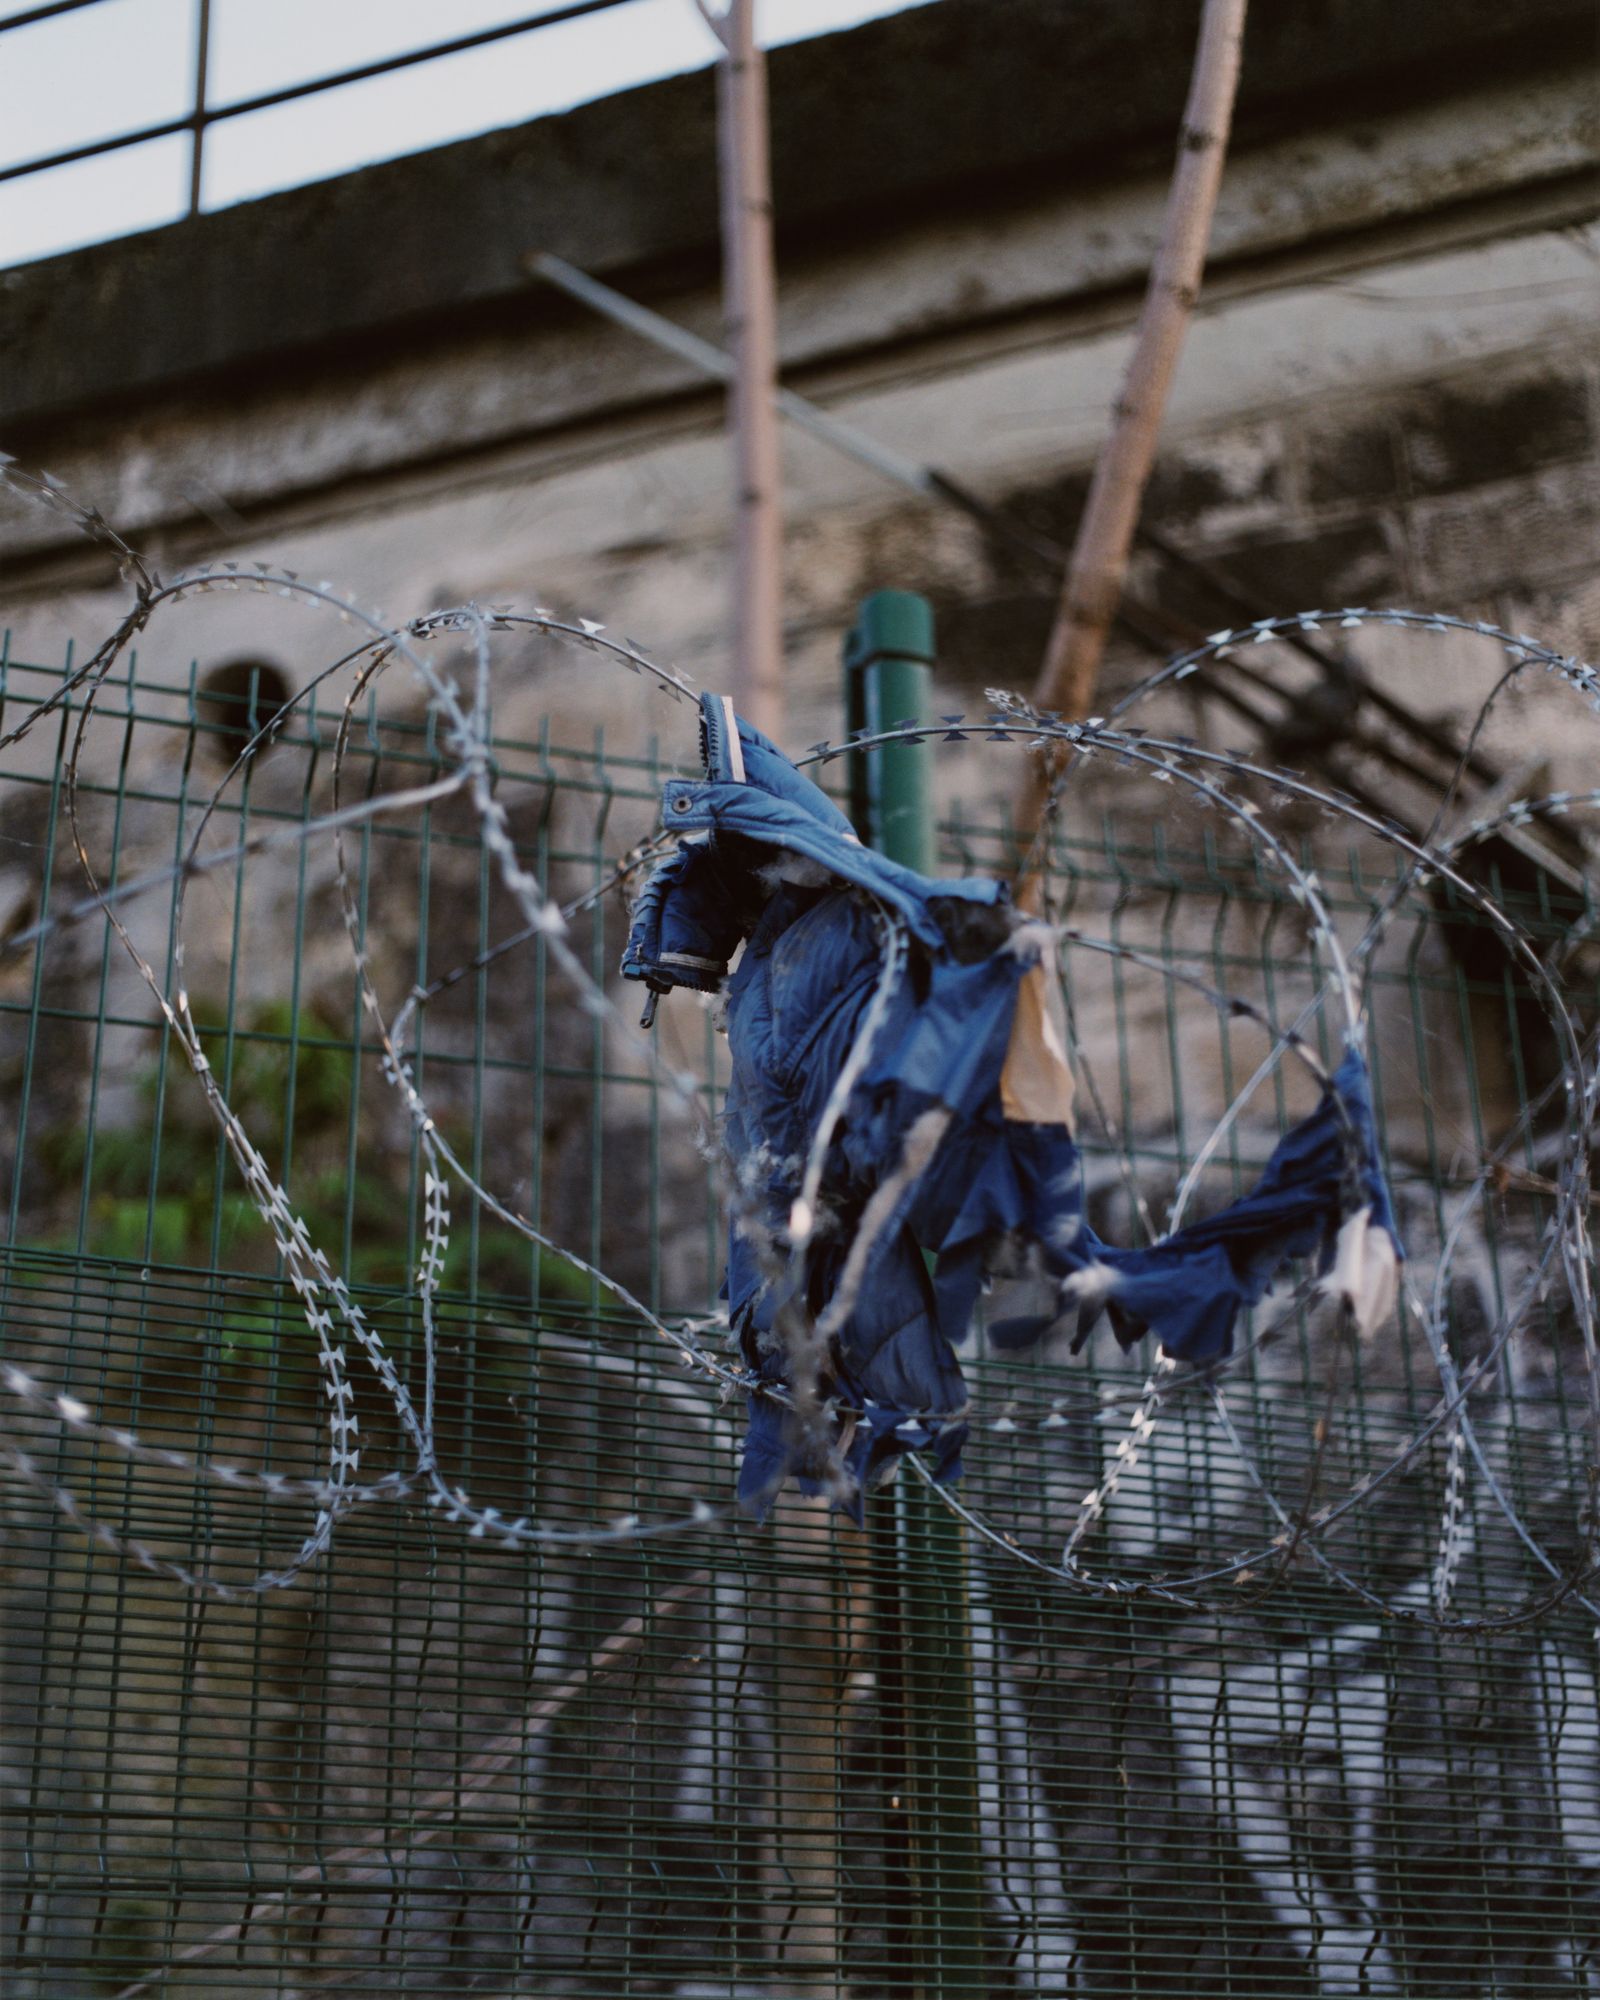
x,y
234,699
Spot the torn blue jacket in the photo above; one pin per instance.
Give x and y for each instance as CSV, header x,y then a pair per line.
x,y
959,1175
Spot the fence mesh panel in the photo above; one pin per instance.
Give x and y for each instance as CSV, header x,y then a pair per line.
x,y
683,1766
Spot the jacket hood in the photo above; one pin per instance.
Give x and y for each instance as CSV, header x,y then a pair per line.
x,y
751,803
734,753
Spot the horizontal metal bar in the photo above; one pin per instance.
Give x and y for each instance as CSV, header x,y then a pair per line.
x,y
435,50
202,120
710,360
31,15
120,143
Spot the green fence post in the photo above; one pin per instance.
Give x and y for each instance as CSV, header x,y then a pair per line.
x,y
888,660
917,1547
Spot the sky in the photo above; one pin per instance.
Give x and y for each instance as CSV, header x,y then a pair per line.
x,y
125,64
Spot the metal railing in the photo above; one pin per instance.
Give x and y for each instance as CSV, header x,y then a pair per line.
x,y
202,115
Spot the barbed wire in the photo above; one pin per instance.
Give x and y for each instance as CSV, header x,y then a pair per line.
x,y
1578,1082
1212,780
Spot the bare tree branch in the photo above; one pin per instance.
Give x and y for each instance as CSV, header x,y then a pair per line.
x,y
751,318
713,20
1094,579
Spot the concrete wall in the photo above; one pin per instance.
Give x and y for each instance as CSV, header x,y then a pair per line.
x,y
1389,393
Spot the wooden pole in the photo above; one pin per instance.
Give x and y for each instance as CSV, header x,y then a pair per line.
x,y
751,320
1095,575
808,1675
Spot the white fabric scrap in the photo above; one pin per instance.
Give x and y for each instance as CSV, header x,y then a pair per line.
x,y
1365,1274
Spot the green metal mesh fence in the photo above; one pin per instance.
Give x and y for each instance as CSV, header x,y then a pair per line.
x,y
683,1766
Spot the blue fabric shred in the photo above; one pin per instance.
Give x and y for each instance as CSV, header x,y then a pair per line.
x,y
811,963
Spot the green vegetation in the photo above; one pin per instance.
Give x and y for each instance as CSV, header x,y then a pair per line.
x,y
163,1189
